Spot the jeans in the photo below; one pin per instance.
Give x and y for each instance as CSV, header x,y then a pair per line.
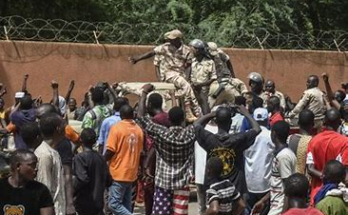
x,y
120,198
201,199
252,199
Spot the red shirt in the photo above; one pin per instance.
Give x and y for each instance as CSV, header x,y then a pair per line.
x,y
325,146
275,118
162,119
303,211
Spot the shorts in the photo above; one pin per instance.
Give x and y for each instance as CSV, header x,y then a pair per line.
x,y
171,202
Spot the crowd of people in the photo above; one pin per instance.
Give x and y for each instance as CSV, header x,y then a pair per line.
x,y
247,149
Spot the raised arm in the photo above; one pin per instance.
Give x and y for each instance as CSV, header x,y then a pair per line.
x,y
55,97
141,108
24,85
89,96
70,89
3,91
202,121
329,93
112,91
254,125
138,58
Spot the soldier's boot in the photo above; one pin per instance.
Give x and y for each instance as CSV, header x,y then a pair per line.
x,y
189,115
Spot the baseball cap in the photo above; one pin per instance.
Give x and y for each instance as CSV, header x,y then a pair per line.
x,y
213,49
19,95
260,114
173,34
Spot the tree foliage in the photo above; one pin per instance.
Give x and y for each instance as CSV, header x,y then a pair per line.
x,y
218,20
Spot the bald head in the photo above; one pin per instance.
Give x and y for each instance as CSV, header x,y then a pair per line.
x,y
270,86
46,108
334,172
332,119
273,104
223,117
306,119
127,112
312,81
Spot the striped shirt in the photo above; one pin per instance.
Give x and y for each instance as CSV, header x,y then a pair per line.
x,y
224,192
283,165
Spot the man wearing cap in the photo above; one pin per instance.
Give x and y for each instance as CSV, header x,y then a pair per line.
x,y
225,59
227,86
202,73
271,91
258,160
172,59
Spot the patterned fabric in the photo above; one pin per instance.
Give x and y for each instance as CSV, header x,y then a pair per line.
x,y
239,87
180,201
225,193
94,120
222,71
171,202
202,71
184,89
302,153
174,153
172,61
163,202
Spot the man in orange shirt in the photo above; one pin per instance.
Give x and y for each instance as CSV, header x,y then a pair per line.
x,y
123,149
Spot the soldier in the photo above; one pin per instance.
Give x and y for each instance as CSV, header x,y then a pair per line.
x,y
312,99
256,86
227,86
226,61
202,74
270,91
172,59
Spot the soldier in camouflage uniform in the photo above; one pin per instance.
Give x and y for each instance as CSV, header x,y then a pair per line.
x,y
227,86
172,59
202,73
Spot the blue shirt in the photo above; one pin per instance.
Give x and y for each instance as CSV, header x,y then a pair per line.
x,y
105,128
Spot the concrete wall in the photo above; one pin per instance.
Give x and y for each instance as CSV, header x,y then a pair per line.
x,y
89,63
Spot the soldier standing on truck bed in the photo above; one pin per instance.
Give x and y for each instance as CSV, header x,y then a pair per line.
x,y
172,59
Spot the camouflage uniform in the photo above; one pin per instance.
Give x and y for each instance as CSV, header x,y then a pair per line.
x,y
264,97
232,87
202,72
172,64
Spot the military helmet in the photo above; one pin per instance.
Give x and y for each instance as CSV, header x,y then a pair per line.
x,y
197,43
256,77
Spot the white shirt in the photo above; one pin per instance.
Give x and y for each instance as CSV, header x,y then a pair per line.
x,y
237,122
283,165
50,173
201,157
258,162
